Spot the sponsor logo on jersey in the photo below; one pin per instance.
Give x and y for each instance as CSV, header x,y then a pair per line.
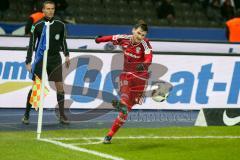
x,y
132,55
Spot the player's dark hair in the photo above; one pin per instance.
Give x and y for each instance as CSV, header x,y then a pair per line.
x,y
47,2
142,25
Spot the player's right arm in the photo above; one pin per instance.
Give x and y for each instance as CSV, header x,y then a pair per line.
x,y
100,39
31,48
116,39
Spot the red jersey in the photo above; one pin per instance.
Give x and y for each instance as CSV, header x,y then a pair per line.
x,y
133,53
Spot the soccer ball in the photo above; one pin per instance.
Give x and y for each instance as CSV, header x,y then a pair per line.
x,y
161,91
159,97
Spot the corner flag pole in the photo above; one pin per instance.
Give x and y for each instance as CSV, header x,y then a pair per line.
x,y
40,113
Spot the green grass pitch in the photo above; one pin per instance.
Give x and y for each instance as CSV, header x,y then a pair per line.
x,y
222,143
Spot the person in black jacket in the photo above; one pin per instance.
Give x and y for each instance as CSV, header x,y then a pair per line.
x,y
57,42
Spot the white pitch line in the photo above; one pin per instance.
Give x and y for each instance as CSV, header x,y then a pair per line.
x,y
153,137
77,138
88,143
180,137
69,146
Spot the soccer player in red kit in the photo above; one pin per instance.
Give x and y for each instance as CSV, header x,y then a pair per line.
x,y
133,79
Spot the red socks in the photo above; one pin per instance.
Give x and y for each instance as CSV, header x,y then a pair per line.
x,y
119,121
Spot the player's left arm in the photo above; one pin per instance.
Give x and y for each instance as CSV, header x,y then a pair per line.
x,y
147,57
64,47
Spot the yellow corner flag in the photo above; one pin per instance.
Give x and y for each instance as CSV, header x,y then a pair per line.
x,y
36,93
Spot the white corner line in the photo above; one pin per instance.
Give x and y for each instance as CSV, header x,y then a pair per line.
x,y
152,137
89,143
69,146
180,137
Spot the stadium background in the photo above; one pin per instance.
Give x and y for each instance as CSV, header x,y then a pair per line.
x,y
192,44
191,28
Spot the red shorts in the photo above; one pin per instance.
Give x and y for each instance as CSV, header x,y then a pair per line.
x,y
132,86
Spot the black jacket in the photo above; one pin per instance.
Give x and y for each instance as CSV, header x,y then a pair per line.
x,y
57,38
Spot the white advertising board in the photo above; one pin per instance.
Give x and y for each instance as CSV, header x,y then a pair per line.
x,y
198,81
158,46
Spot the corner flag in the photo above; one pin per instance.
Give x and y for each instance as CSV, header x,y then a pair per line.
x,y
36,89
42,54
36,93
40,48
